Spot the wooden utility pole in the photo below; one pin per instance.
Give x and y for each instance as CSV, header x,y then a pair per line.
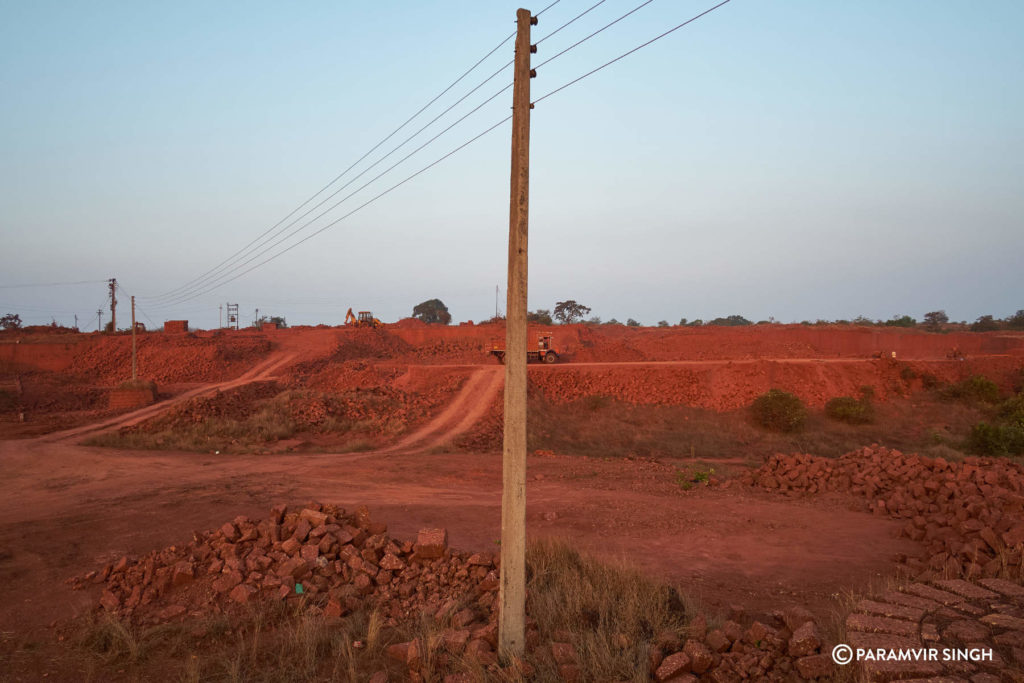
x,y
512,621
135,360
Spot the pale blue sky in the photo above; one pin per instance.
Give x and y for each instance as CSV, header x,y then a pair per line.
x,y
795,159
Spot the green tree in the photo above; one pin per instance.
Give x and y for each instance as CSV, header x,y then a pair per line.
x,y
662,323
985,323
934,320
569,311
1016,321
731,321
632,323
541,316
11,321
900,321
432,311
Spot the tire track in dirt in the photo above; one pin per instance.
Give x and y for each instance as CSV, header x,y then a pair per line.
x,y
468,406
262,371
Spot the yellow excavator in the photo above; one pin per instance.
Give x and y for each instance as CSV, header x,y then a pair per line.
x,y
365,319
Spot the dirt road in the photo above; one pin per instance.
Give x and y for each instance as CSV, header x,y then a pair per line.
x,y
66,509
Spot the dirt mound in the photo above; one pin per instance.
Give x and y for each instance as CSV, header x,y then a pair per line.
x,y
361,343
326,374
969,515
169,359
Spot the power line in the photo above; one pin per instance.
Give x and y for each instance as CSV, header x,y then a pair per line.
x,y
626,54
542,12
360,159
603,28
215,281
232,264
578,16
355,210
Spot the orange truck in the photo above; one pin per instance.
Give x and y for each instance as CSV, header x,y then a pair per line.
x,y
543,352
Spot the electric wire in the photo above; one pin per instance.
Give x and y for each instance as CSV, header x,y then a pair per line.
x,y
357,161
358,208
546,9
626,54
220,281
571,21
600,30
214,281
232,264
228,267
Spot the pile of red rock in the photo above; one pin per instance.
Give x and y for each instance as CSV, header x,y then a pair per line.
x,y
343,560
788,650
969,514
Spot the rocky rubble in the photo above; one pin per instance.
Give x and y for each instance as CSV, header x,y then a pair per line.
x,y
344,561
341,560
969,515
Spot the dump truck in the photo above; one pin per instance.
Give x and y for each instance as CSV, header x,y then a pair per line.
x,y
543,351
365,319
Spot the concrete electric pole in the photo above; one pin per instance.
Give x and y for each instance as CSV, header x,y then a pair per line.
x,y
135,360
512,621
113,305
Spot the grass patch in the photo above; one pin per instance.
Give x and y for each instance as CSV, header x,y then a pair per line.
x,y
610,613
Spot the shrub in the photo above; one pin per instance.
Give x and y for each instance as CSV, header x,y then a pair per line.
x,y
993,439
1012,410
975,389
907,373
929,381
850,410
779,411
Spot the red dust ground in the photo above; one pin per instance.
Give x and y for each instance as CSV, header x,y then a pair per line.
x,y
66,508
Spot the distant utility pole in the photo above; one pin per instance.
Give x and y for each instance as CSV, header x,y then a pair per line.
x,y
99,319
113,304
135,360
76,321
512,620
220,316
